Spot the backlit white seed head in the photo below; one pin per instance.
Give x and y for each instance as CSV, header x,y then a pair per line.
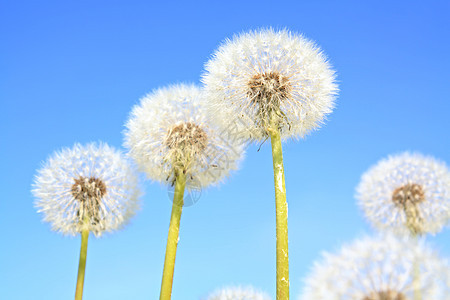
x,y
170,131
406,193
86,187
238,293
380,268
268,78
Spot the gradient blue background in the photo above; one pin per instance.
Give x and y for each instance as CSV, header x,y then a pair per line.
x,y
70,71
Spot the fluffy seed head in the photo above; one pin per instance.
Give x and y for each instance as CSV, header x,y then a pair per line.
x,y
406,193
379,268
86,187
170,131
238,293
270,78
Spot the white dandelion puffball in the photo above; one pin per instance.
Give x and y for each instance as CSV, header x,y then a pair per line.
x,y
380,268
170,131
86,187
268,76
406,193
238,293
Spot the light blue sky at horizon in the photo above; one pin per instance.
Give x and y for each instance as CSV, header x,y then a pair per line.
x,y
71,72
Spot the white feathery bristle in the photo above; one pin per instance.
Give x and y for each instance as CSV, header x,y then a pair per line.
x,y
378,185
373,268
238,293
171,129
63,179
298,78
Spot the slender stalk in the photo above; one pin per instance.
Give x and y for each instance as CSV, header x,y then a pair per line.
x,y
281,216
413,223
82,265
416,272
172,239
416,281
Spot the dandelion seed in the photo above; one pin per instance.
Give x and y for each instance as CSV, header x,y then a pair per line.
x,y
170,132
93,183
269,76
406,193
380,268
277,85
173,139
86,189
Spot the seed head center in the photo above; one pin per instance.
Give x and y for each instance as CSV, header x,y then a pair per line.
x,y
408,197
266,92
409,194
269,88
187,137
385,295
89,192
86,189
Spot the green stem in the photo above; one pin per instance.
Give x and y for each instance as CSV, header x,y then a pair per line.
x,y
416,272
82,265
416,281
172,239
413,222
281,216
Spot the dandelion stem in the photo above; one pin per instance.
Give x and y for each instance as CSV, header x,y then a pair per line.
x,y
281,216
82,264
416,280
172,239
416,272
413,224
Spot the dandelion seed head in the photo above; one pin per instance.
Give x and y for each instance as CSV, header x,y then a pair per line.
x,y
267,76
86,187
171,131
406,193
238,293
378,268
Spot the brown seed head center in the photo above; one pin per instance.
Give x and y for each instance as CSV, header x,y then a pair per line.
x,y
409,194
269,88
85,189
408,197
187,137
385,295
88,191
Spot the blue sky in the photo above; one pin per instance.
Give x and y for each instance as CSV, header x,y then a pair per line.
x,y
70,71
